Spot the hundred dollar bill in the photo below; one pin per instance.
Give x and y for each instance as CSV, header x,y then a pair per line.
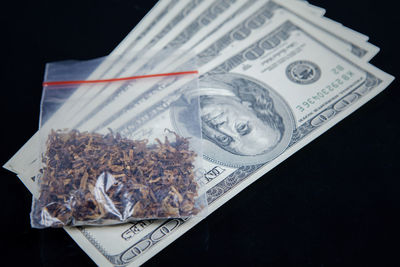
x,y
202,26
26,156
260,104
124,103
108,105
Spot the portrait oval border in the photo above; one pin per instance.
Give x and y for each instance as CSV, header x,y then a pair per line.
x,y
217,155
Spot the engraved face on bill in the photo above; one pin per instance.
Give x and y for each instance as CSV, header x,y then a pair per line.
x,y
243,121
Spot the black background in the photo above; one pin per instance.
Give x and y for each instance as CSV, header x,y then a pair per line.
x,y
333,203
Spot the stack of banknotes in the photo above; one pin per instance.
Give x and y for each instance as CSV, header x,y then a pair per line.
x,y
274,75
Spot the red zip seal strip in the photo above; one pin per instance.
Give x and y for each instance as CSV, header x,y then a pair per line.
x,y
121,79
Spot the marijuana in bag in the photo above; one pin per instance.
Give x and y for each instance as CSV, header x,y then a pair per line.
x,y
89,177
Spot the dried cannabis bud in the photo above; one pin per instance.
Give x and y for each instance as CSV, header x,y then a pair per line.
x,y
90,177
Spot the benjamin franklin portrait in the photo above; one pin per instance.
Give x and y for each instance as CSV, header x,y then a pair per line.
x,y
242,121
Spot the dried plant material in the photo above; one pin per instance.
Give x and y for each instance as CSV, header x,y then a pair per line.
x,y
89,178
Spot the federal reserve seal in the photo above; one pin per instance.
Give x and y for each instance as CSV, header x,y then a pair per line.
x,y
303,72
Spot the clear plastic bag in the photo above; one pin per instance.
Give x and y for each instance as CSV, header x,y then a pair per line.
x,y
111,149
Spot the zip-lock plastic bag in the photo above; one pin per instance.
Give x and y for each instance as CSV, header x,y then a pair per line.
x,y
118,149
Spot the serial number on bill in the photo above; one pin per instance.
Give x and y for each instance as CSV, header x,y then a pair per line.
x,y
338,83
